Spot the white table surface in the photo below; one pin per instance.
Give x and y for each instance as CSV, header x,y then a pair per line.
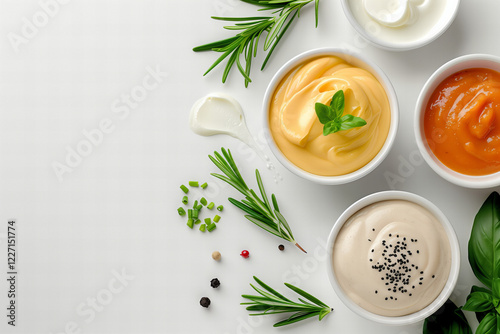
x,y
116,210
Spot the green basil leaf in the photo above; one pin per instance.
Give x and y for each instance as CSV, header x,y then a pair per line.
x,y
447,320
489,324
337,103
479,302
495,287
479,315
325,113
331,127
484,242
351,122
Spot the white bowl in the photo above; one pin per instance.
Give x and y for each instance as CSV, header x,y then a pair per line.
x,y
356,60
451,67
455,258
437,30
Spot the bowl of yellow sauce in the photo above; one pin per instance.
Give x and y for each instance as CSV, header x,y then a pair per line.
x,y
293,128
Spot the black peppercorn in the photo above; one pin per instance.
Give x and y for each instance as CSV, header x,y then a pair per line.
x,y
214,283
281,247
205,302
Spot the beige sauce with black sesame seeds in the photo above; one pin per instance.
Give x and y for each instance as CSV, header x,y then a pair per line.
x,y
392,258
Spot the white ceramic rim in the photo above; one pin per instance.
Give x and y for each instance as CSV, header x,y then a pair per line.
x,y
357,60
455,258
451,67
387,45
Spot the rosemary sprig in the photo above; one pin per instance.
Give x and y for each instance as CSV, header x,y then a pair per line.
x,y
259,211
272,302
246,42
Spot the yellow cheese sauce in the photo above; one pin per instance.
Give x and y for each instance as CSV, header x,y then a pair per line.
x,y
392,258
297,131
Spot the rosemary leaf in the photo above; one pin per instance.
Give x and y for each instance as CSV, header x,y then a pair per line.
x,y
272,302
258,209
251,28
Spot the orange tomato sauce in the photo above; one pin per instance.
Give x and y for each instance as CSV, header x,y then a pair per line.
x,y
462,121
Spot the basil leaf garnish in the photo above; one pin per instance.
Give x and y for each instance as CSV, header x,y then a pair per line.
x,y
484,242
490,324
479,302
479,315
331,116
447,320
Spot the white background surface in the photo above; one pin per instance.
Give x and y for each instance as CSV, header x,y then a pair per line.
x,y
116,210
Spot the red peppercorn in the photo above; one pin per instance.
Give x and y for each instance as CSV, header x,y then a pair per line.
x,y
245,254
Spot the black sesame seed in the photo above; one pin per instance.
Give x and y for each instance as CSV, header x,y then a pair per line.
x,y
390,235
376,291
418,252
420,283
421,273
385,298
373,229
433,276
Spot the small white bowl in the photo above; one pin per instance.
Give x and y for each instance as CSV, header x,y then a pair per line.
x,y
355,60
455,258
451,67
449,14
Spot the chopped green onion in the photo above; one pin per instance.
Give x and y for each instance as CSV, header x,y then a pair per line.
x,y
181,211
216,218
211,206
220,208
211,227
195,213
185,200
184,188
203,227
195,204
197,221
204,185
203,201
193,183
190,213
199,207
208,221
190,223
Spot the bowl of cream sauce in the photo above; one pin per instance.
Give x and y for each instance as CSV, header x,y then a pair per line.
x,y
400,25
394,258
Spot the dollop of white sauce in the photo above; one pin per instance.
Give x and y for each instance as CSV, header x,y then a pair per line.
x,y
219,113
393,13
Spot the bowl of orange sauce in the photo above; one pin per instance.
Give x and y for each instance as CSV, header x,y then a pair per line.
x,y
457,121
